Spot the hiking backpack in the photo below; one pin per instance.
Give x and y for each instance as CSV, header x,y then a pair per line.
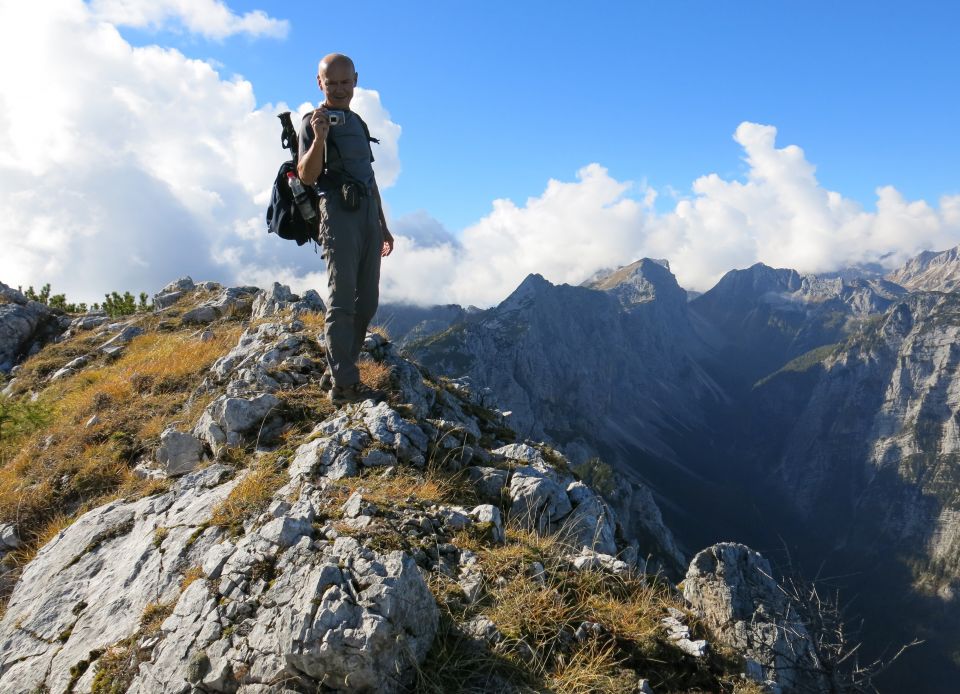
x,y
285,217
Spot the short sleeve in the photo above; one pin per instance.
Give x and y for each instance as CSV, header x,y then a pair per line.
x,y
305,136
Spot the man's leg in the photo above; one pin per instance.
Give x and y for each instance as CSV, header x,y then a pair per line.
x,y
368,277
342,251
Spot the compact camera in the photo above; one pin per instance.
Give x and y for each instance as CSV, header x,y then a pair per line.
x,y
336,117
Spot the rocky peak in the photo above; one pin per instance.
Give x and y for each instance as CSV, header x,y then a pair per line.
x,y
641,282
930,271
525,294
754,282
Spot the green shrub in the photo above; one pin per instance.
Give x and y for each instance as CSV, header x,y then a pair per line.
x,y
597,474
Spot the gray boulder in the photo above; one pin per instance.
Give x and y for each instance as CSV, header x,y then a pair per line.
x,y
268,302
732,589
88,587
237,300
179,453
279,298
537,501
228,421
488,481
592,523
24,327
121,339
9,537
172,293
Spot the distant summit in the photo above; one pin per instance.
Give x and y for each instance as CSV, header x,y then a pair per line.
x,y
930,271
640,282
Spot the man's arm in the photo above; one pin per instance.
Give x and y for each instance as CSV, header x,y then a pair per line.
x,y
387,248
310,164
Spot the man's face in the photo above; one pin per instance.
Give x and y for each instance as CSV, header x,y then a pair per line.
x,y
337,82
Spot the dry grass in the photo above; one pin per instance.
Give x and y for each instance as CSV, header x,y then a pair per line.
x,y
313,322
592,667
380,330
744,686
538,616
23,556
404,483
306,404
70,465
249,498
194,573
154,615
374,374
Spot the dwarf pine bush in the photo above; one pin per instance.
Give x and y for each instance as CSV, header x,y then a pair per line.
x,y
114,305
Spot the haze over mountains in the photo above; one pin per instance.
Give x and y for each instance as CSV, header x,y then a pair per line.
x,y
818,415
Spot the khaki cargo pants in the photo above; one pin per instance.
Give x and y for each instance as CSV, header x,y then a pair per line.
x,y
351,248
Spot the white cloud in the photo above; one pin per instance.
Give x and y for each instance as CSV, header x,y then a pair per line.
x,y
779,215
137,165
209,18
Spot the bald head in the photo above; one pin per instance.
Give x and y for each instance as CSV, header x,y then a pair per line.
x,y
333,59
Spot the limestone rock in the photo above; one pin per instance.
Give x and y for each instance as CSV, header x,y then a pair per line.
x,y
179,453
227,421
592,523
489,482
122,338
732,589
88,587
24,326
490,514
9,537
235,300
270,301
536,500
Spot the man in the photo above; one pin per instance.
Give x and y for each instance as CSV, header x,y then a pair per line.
x,y
353,230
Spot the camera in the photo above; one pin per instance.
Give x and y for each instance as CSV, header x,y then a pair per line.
x,y
336,117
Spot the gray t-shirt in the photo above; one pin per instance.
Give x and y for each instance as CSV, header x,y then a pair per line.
x,y
348,149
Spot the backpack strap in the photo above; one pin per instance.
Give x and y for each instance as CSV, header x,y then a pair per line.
x,y
330,141
366,132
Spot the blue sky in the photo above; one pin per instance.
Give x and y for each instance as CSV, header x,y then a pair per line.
x,y
558,138
495,98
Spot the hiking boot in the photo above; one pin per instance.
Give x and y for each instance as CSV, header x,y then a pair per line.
x,y
356,392
326,381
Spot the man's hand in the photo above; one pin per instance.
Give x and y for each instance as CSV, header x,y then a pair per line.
x,y
387,243
320,124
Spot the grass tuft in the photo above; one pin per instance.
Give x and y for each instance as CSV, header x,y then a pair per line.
x,y
249,498
374,374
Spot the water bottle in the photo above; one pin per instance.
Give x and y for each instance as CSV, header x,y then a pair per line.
x,y
301,197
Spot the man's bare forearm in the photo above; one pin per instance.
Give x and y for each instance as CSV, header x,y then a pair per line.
x,y
310,165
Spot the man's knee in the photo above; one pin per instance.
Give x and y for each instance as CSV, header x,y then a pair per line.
x,y
340,313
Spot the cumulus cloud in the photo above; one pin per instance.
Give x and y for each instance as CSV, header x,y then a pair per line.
x,y
209,18
779,214
140,165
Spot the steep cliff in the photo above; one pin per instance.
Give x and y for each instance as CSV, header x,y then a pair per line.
x,y
609,368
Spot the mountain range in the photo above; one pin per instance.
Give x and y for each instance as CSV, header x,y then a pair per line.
x,y
813,416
